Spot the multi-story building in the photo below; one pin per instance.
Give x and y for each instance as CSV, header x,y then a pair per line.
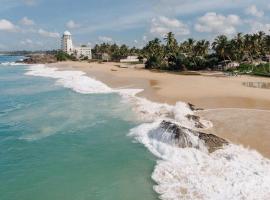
x,y
80,52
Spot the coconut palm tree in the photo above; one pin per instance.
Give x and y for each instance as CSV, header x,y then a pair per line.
x,y
171,43
221,47
201,48
238,47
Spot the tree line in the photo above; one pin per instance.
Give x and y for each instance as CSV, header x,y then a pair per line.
x,y
191,54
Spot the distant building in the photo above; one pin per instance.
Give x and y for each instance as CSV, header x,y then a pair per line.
x,y
67,45
79,52
130,59
225,65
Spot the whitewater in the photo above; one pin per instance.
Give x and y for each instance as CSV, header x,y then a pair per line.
x,y
232,172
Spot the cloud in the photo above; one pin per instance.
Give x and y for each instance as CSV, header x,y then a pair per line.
x,y
218,24
6,25
105,39
258,26
30,43
191,7
162,25
144,38
26,21
71,24
253,10
48,34
30,2
26,42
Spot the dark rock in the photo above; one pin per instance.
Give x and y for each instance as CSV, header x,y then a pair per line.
x,y
193,108
182,138
196,120
40,59
213,142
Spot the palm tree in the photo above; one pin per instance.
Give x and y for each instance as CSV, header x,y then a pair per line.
x,y
221,46
154,52
201,48
171,43
237,47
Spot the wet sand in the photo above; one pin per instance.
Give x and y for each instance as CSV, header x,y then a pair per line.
x,y
210,91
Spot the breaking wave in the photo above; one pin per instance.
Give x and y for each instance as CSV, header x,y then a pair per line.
x,y
192,164
12,64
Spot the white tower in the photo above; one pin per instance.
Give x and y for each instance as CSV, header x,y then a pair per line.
x,y
67,43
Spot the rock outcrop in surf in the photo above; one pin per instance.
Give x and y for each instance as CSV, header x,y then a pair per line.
x,y
39,59
184,137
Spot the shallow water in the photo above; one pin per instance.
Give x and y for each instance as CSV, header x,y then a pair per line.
x,y
59,144
84,131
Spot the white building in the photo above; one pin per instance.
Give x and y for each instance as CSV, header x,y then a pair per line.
x,y
79,52
83,52
67,45
130,59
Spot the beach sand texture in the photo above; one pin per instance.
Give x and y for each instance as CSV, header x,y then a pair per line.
x,y
246,124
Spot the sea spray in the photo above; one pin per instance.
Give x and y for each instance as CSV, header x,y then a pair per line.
x,y
232,172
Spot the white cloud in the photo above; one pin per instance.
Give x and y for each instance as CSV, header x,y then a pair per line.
x,y
105,39
26,42
258,26
219,24
6,25
31,43
162,25
48,34
253,10
71,24
30,2
26,21
144,38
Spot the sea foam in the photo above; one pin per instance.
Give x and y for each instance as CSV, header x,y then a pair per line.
x,y
232,172
12,64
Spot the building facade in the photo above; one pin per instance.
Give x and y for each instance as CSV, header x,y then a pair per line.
x,y
80,52
66,44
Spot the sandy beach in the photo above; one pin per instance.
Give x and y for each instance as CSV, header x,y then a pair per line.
x,y
239,113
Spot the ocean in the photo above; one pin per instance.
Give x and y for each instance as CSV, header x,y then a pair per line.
x,y
56,143
64,135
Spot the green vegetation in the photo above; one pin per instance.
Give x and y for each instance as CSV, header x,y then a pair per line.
x,y
259,70
197,55
62,56
113,52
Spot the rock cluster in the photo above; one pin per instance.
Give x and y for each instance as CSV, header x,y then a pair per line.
x,y
40,59
182,138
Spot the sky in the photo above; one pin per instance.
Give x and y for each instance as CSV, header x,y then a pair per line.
x,y
39,24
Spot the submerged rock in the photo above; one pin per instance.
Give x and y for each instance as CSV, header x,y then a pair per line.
x,y
184,137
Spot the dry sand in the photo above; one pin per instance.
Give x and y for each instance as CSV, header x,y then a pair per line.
x,y
248,126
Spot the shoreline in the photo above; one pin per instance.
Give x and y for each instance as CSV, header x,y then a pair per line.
x,y
249,130
208,91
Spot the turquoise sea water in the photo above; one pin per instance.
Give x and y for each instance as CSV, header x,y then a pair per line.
x,y
58,144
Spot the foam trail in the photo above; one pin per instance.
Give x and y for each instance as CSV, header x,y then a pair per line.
x,y
232,172
79,82
189,173
12,64
74,80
